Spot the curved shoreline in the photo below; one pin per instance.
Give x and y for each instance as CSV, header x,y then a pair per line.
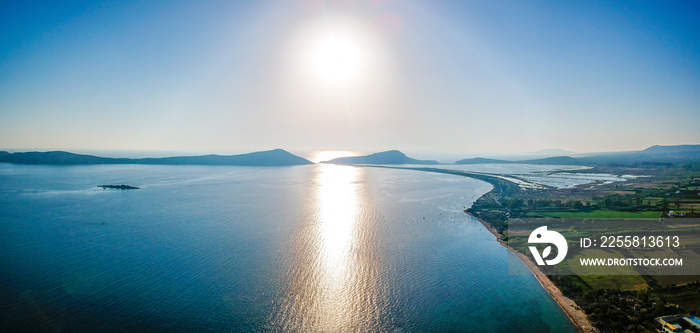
x,y
573,311
577,316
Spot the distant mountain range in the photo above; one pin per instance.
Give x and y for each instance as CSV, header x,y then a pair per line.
x,y
557,160
552,152
387,157
651,155
277,157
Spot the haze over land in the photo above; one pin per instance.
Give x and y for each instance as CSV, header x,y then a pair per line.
x,y
656,155
423,76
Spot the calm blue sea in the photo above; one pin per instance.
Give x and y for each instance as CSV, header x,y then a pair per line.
x,y
318,248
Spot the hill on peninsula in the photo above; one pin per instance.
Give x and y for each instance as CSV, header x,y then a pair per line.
x,y
387,157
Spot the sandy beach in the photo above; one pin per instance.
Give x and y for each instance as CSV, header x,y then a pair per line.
x,y
577,316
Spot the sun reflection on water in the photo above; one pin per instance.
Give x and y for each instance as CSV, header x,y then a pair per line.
x,y
338,210
333,282
337,205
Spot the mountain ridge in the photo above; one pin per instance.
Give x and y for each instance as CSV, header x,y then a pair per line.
x,y
558,160
275,157
655,155
385,157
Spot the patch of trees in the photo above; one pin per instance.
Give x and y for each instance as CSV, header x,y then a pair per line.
x,y
624,311
615,310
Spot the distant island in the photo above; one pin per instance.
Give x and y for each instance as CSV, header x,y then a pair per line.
x,y
120,187
387,157
276,157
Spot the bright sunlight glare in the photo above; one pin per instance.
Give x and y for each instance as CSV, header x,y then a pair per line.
x,y
327,155
336,59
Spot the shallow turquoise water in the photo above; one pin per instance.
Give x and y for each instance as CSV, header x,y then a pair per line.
x,y
311,248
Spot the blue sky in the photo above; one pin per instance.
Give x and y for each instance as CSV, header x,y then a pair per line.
x,y
432,76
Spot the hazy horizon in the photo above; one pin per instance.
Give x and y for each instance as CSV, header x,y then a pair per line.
x,y
317,156
243,151
423,77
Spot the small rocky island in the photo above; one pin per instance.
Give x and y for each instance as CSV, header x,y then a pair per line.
x,y
119,187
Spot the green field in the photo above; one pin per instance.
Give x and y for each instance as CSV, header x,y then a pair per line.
x,y
618,282
602,213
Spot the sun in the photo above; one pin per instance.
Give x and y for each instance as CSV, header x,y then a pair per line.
x,y
336,59
336,54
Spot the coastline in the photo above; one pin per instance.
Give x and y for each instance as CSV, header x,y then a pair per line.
x,y
573,311
570,308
